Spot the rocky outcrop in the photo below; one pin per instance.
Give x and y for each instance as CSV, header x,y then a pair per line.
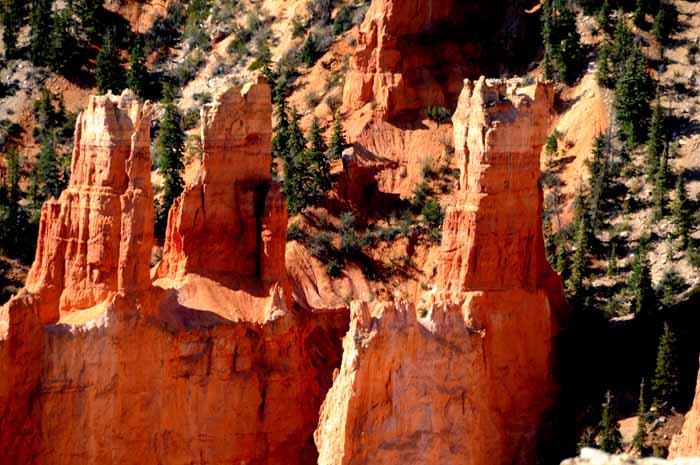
x,y
95,240
466,376
414,54
687,443
232,223
141,14
210,362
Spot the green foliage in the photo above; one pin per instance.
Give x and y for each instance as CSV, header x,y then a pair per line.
x,y
638,15
682,212
49,171
338,143
89,15
343,20
309,54
195,33
562,42
633,92
642,291
610,437
656,141
666,382
109,72
603,73
438,114
641,435
671,284
663,24
137,78
295,175
612,261
433,213
169,150
294,232
12,20
319,11
334,269
660,192
351,243
41,23
64,56
318,166
579,270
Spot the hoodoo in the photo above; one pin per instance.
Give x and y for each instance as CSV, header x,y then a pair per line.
x,y
210,364
466,376
687,442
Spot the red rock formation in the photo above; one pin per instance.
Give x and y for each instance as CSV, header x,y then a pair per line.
x,y
468,379
215,366
141,14
687,443
95,240
413,54
233,221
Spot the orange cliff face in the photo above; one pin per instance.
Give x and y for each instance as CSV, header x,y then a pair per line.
x,y
466,377
212,364
687,442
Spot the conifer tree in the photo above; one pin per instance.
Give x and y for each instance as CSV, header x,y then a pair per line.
x,y
49,170
280,135
638,15
88,12
12,181
633,91
295,173
12,21
610,437
656,140
643,296
63,51
663,24
109,72
622,46
666,383
603,69
319,165
612,261
561,41
338,142
169,150
579,264
41,25
137,77
660,192
603,15
308,54
640,436
682,212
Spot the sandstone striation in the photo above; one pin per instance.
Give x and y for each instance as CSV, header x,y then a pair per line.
x,y
408,61
467,377
687,442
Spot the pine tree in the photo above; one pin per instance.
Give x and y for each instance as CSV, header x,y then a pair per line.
x,y
49,170
633,91
318,166
656,140
643,296
579,265
603,69
663,25
63,52
12,181
12,21
666,383
295,173
137,77
603,15
280,133
622,46
41,25
338,142
660,192
88,12
309,54
169,150
682,212
109,72
640,436
612,261
561,41
610,437
638,15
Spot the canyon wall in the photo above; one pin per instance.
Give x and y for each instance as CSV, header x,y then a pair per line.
x,y
141,14
464,377
207,364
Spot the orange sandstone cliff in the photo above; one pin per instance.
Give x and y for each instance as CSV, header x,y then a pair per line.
x,y
466,376
100,365
687,442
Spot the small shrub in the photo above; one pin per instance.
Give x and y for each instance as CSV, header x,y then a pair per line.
x,y
343,20
294,232
333,101
432,213
421,194
427,168
191,119
334,269
202,97
320,244
438,114
311,99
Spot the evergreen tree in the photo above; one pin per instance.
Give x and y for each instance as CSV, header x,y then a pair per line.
x,y
318,166
666,383
663,24
41,25
49,170
280,135
612,261
562,42
12,21
309,54
137,78
109,72
169,150
12,181
638,15
643,296
656,140
622,46
295,173
682,212
640,436
88,12
660,192
603,15
579,264
603,69
338,142
610,437
63,55
632,94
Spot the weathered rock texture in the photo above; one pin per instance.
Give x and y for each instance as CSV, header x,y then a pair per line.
x,y
591,456
467,378
232,223
413,54
687,443
141,14
212,364
95,240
